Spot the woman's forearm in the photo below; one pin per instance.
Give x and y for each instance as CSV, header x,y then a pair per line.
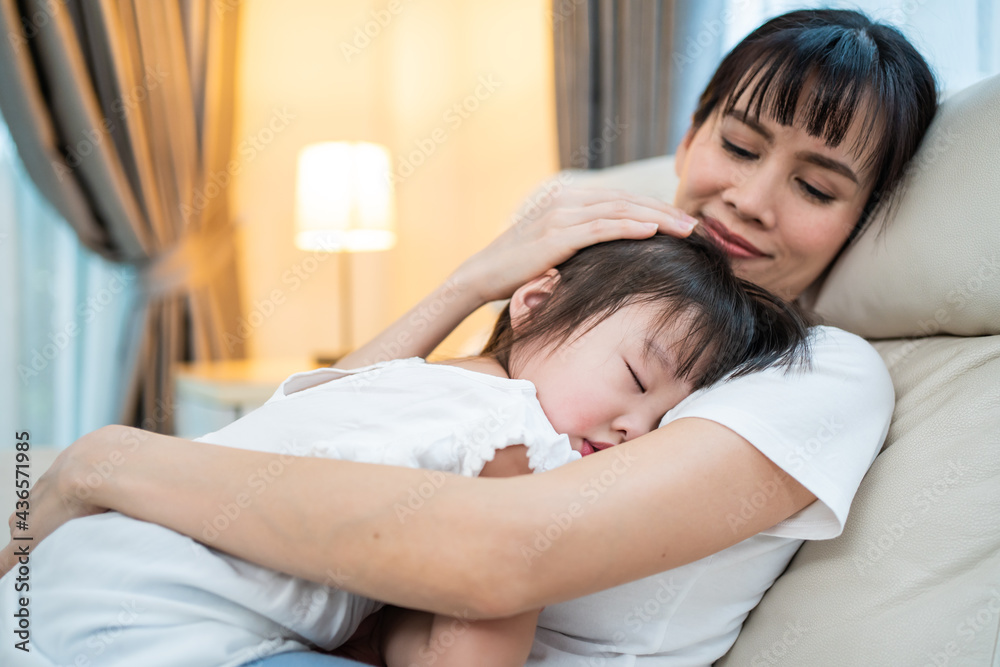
x,y
453,545
422,328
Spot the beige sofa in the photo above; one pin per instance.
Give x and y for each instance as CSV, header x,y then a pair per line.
x,y
915,578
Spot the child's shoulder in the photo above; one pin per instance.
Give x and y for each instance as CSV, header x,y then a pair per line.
x,y
483,365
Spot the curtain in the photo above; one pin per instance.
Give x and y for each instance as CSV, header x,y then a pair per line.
x,y
628,74
63,346
121,111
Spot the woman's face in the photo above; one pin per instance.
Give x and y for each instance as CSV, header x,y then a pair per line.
x,y
780,202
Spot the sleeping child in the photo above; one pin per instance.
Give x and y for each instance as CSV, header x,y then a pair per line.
x,y
585,357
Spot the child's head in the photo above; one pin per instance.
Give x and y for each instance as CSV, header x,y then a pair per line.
x,y
622,331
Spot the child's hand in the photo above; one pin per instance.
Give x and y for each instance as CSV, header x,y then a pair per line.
x,y
570,220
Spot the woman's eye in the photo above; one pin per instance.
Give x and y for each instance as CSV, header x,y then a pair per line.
x,y
737,152
818,195
636,378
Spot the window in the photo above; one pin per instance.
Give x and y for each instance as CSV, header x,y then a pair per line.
x,y
64,312
959,38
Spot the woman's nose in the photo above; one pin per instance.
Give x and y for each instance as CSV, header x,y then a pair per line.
x,y
752,192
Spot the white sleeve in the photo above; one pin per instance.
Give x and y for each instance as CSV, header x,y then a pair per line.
x,y
822,424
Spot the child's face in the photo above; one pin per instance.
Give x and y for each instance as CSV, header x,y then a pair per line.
x,y
609,385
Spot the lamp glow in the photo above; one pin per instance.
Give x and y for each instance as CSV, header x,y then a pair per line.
x,y
344,204
343,200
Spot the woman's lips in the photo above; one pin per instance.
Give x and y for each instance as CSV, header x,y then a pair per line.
x,y
733,244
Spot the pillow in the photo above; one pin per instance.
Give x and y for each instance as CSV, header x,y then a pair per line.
x,y
936,267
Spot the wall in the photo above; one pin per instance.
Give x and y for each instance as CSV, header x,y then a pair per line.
x,y
390,72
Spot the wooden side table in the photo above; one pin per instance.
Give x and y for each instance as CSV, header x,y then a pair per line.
x,y
211,395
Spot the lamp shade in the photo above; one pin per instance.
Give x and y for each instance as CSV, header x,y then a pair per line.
x,y
343,198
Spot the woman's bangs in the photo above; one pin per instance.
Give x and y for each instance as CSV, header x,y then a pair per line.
x,y
822,86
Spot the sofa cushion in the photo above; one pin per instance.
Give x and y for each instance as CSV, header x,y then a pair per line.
x,y
915,577
935,268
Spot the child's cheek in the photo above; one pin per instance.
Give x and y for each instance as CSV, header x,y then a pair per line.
x,y
566,413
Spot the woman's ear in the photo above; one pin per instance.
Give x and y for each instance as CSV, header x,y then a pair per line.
x,y
530,295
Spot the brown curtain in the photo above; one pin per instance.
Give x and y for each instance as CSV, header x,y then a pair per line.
x,y
612,73
122,114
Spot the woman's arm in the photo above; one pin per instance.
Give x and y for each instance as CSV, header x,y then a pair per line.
x,y
575,218
479,548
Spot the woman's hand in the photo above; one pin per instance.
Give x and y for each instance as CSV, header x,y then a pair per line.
x,y
572,219
59,495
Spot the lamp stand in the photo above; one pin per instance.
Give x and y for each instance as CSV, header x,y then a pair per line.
x,y
346,304
346,342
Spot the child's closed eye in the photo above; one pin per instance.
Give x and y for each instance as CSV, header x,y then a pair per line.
x,y
636,378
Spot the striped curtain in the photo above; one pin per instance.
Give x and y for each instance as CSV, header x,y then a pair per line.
x,y
121,111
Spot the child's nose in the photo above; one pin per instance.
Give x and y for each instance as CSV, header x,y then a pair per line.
x,y
631,425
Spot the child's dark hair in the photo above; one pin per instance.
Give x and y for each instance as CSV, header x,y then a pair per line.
x,y
852,65
733,326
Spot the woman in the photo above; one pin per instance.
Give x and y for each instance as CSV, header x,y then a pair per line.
x,y
805,128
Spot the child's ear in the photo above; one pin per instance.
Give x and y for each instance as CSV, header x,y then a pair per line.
x,y
530,295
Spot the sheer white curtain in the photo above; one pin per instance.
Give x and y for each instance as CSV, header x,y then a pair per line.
x,y
959,38
64,312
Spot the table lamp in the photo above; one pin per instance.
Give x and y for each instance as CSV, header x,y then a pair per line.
x,y
344,204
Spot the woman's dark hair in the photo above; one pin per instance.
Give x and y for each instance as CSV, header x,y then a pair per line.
x,y
733,326
840,63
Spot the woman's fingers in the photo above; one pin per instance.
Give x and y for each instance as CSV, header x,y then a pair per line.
x,y
559,224
669,220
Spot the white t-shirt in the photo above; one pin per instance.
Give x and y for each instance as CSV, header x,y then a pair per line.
x,y
109,589
823,426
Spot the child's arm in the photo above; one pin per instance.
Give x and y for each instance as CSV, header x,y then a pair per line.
x,y
418,638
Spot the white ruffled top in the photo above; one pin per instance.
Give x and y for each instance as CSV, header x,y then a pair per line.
x,y
403,412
